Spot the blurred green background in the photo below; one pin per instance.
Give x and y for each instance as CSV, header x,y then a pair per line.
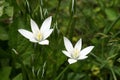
x,y
97,22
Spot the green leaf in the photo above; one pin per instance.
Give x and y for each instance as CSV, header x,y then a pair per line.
x,y
4,73
1,7
75,76
9,11
111,14
13,31
18,77
1,10
3,34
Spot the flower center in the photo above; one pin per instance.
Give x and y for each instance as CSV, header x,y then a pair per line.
x,y
75,53
38,36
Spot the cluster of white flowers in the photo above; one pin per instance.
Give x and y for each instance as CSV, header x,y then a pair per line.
x,y
40,36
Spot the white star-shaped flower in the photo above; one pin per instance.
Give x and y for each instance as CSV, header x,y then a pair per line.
x,y
38,35
75,53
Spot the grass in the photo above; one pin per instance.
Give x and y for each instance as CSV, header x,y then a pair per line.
x,y
96,22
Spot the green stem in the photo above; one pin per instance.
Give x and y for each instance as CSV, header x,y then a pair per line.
x,y
107,29
24,70
18,58
62,72
57,11
113,74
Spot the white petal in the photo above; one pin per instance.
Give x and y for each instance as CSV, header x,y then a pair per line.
x,y
68,44
46,34
34,26
26,34
33,40
82,57
66,53
71,61
86,50
78,45
46,24
45,42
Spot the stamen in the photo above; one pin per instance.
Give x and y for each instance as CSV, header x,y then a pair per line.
x,y
39,36
75,53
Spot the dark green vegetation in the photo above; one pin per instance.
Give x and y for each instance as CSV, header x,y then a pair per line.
x,y
97,22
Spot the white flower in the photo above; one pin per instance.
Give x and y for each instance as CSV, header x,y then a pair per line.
x,y
38,35
75,53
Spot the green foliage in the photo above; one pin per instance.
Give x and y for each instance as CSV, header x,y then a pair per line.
x,y
3,34
18,77
4,73
97,22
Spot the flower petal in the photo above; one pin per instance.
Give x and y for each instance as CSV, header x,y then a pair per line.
x,y
26,34
71,61
46,24
78,45
46,34
33,40
66,53
34,26
44,42
68,44
86,50
82,57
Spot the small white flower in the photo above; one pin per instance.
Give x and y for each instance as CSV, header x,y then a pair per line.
x,y
75,53
38,35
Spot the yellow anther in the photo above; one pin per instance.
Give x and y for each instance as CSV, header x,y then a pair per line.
x,y
38,36
75,53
